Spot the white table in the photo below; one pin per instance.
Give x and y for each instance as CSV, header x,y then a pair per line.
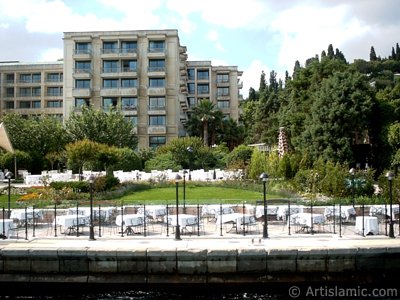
x,y
370,225
283,210
305,220
19,214
8,224
346,211
185,221
377,210
105,212
213,210
70,222
272,210
130,221
236,219
155,212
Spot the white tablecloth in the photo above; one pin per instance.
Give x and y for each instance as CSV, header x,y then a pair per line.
x,y
283,211
183,220
105,212
68,221
376,210
370,225
129,220
20,214
213,210
304,219
272,210
8,224
236,218
154,211
346,211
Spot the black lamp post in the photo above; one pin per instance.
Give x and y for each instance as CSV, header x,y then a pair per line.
x,y
264,178
352,172
91,229
184,191
177,229
390,176
9,175
190,151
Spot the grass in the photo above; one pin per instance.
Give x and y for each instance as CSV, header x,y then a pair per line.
x,y
194,194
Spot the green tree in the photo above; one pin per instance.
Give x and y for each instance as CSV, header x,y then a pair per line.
x,y
240,157
80,153
108,128
257,165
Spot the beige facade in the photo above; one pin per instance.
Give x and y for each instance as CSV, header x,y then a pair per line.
x,y
32,88
143,73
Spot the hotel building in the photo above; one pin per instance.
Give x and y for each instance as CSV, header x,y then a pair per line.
x,y
145,74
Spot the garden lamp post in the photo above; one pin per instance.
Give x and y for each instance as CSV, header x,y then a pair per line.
x,y
91,229
184,191
352,172
9,175
190,152
390,176
264,178
177,229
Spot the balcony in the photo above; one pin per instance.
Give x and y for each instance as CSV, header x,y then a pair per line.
x,y
82,53
156,91
82,73
156,110
106,92
118,52
82,92
160,129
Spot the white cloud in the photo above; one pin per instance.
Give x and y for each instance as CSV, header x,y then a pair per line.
x,y
214,37
306,31
251,76
52,54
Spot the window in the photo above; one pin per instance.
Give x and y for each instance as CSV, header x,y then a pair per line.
x,y
25,78
192,101
25,92
223,104
129,103
110,66
81,101
129,82
156,65
82,83
203,88
156,141
131,119
156,46
54,103
37,78
223,91
129,46
82,48
83,66
9,78
36,91
9,105
110,83
10,92
129,65
156,103
110,47
222,78
54,77
25,104
190,73
158,120
203,75
36,104
109,102
191,89
53,91
156,82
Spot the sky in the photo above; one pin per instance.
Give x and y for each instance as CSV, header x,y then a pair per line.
x,y
254,35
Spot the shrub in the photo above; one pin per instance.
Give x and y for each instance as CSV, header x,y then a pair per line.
x,y
76,186
105,183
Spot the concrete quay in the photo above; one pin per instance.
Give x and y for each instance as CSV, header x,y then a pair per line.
x,y
201,260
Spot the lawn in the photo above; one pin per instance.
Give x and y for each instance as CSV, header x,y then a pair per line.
x,y
194,194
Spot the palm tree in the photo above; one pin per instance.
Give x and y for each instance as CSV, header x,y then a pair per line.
x,y
206,113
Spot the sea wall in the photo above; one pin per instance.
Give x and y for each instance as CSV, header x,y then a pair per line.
x,y
233,266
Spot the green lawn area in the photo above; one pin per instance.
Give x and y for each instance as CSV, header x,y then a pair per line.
x,y
194,195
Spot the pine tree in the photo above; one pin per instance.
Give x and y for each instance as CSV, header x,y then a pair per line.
x,y
397,51
331,53
263,84
372,54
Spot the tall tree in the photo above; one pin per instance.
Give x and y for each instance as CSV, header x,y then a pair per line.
x,y
208,116
372,54
108,128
